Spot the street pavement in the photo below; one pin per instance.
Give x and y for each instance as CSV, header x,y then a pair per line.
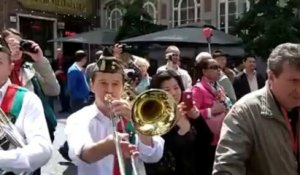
x,y
57,164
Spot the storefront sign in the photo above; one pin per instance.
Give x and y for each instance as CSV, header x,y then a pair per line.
x,y
72,7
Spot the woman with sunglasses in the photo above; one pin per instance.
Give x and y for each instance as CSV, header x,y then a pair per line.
x,y
185,151
209,97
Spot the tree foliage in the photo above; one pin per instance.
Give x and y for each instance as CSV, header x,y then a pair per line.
x,y
136,21
269,23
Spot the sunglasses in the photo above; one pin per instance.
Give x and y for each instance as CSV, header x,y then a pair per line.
x,y
214,67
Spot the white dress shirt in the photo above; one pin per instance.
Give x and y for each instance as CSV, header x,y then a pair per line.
x,y
89,125
252,81
31,124
185,76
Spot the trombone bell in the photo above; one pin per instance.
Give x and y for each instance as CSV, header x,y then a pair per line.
x,y
154,112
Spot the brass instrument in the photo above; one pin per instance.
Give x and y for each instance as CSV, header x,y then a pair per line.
x,y
153,113
11,136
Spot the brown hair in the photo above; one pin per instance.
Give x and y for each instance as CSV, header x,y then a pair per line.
x,y
5,33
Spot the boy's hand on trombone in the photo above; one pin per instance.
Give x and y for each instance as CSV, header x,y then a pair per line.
x,y
122,108
128,149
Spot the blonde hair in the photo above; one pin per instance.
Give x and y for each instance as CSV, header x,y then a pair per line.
x,y
203,55
172,48
139,61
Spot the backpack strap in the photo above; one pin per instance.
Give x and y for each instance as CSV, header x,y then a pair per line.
x,y
13,100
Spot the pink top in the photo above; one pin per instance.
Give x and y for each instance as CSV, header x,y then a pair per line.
x,y
204,96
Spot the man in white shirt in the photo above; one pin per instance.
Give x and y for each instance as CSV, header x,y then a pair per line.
x,y
30,123
89,131
173,62
249,80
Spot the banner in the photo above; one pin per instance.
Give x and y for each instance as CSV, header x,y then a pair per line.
x,y
72,7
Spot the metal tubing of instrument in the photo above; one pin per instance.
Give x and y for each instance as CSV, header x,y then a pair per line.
x,y
118,146
134,169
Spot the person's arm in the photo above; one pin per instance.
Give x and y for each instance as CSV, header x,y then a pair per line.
x,y
38,150
228,87
150,148
82,148
235,144
198,99
236,87
47,77
188,81
93,152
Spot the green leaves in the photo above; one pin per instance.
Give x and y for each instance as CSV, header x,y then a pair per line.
x,y
267,24
136,21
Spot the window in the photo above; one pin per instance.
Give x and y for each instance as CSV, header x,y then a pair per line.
x,y
150,9
186,11
228,14
113,16
229,11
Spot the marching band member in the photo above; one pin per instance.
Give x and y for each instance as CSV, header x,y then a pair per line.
x,y
89,130
24,109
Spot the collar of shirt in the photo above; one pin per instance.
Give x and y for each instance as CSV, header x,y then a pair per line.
x,y
3,90
254,72
98,114
172,66
78,67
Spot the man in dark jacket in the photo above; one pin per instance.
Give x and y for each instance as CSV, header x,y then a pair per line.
x,y
249,80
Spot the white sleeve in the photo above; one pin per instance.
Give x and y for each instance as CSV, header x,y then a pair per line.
x,y
32,124
150,154
78,135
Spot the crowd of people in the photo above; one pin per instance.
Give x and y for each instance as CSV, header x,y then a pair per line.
x,y
236,122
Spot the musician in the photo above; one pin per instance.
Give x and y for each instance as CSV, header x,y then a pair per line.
x,y
173,63
260,135
30,122
89,130
186,144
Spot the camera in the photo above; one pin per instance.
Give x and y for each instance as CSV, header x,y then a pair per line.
x,y
26,45
133,73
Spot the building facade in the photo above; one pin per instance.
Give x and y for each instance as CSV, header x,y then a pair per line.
x,y
43,20
219,13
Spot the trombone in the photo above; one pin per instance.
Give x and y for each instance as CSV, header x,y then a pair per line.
x,y
10,132
153,113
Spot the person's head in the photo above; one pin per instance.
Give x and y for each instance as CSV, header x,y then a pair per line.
x,y
169,81
207,67
80,57
142,64
6,65
173,54
221,58
284,74
59,53
13,37
108,77
98,54
249,62
117,50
